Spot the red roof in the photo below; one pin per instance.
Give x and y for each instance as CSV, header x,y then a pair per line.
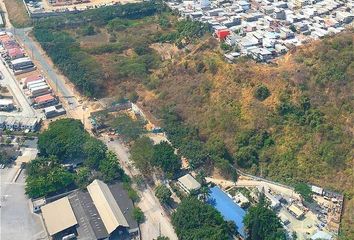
x,y
33,78
10,44
5,38
44,98
222,33
14,52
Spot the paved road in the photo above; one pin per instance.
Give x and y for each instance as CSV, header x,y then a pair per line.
x,y
53,77
156,220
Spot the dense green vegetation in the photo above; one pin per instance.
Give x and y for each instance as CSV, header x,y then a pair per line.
x,y
163,193
67,142
186,31
305,191
262,223
141,153
195,220
146,156
77,65
165,158
138,215
187,140
46,176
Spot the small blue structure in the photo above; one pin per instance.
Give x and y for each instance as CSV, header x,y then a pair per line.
x,y
228,208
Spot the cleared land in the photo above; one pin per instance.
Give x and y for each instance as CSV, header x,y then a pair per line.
x,y
17,13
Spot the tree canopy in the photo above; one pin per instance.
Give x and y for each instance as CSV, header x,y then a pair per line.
x,y
46,177
141,153
195,220
65,139
305,191
261,223
110,168
165,158
163,193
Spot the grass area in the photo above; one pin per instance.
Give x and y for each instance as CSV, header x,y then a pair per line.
x,y
17,13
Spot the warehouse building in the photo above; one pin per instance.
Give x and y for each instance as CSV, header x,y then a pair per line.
x,y
102,212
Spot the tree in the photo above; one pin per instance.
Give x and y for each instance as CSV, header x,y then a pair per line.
x,y
261,93
196,220
165,158
138,215
95,151
110,168
82,178
128,128
305,191
262,223
88,30
64,139
246,156
141,153
46,176
163,193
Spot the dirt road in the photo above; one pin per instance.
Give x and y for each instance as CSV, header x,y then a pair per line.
x,y
156,223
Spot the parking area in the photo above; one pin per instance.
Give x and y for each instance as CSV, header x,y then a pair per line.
x,y
16,219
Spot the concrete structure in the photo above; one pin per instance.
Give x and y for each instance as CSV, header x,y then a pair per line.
x,y
37,204
54,111
188,183
6,105
296,211
317,190
320,235
19,123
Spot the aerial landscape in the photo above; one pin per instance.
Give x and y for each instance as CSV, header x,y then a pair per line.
x,y
190,120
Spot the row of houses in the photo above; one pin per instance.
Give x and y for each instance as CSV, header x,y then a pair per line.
x,y
264,29
19,123
14,55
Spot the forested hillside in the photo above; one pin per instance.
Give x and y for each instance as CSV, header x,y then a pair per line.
x,y
291,121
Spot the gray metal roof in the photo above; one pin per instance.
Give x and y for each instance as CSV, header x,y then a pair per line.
x,y
90,225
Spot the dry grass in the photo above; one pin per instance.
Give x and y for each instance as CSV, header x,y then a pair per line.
x,y
17,13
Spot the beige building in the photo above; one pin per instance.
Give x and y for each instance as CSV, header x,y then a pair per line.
x,y
188,183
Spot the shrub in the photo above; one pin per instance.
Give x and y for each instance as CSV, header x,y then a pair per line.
x,y
262,93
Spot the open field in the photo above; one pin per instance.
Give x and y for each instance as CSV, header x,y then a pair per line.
x,y
17,13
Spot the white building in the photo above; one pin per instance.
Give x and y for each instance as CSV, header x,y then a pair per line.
x,y
188,183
